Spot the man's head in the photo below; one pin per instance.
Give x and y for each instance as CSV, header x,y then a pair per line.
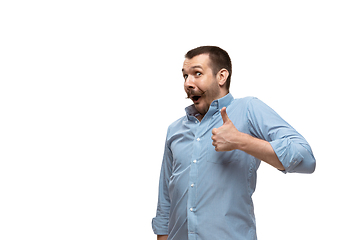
x,y
207,72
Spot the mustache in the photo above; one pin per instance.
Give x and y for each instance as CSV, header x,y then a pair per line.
x,y
192,92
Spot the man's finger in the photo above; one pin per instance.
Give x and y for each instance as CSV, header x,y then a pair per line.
x,y
224,115
214,131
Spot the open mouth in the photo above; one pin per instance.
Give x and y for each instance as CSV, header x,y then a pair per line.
x,y
195,98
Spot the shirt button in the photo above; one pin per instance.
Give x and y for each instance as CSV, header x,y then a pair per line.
x,y
194,161
191,209
196,121
198,139
192,185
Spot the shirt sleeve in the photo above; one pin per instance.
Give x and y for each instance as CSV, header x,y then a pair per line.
x,y
160,223
291,148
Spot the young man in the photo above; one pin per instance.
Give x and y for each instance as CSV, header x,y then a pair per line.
x,y
211,156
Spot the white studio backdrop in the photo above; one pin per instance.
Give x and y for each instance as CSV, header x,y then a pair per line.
x,y
88,89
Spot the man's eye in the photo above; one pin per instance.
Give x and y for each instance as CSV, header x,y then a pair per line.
x,y
198,73
185,76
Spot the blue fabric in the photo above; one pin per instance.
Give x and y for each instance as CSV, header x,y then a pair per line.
x,y
204,194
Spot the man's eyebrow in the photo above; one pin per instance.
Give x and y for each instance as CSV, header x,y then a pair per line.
x,y
196,66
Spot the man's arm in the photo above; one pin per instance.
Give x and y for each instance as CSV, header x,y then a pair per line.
x,y
228,138
162,237
272,139
160,223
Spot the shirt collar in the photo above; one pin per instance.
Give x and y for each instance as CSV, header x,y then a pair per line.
x,y
215,106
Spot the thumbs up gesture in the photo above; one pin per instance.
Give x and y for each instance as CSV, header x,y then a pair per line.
x,y
226,137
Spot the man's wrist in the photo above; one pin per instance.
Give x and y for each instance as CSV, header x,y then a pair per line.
x,y
243,141
162,237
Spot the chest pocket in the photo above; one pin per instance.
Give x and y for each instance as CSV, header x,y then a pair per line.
x,y
222,157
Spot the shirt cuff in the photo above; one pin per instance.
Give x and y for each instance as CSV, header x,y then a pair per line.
x,y
287,153
160,225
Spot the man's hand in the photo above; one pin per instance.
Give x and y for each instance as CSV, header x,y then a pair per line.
x,y
226,137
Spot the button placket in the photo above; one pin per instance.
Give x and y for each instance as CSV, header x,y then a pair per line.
x,y
193,175
199,132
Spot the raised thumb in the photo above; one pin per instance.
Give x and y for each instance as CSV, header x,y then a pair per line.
x,y
224,115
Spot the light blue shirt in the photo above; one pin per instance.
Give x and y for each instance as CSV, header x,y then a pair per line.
x,y
206,195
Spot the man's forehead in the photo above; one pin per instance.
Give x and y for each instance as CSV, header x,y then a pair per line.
x,y
190,67
199,61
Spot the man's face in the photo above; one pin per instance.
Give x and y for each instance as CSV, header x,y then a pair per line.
x,y
200,83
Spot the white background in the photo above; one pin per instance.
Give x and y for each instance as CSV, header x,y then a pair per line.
x,y
88,89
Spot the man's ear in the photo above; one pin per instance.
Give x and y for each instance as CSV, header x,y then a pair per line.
x,y
222,76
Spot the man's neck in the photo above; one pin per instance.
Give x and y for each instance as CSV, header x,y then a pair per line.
x,y
199,117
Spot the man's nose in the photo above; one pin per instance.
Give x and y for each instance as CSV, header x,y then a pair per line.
x,y
189,83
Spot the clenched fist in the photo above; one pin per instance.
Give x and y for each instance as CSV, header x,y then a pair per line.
x,y
226,137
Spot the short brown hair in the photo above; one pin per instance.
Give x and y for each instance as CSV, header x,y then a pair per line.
x,y
219,59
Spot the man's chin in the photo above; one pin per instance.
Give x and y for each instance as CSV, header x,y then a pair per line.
x,y
201,108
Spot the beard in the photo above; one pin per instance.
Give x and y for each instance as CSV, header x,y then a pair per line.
x,y
206,97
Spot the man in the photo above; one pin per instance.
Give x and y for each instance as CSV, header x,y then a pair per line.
x,y
211,156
